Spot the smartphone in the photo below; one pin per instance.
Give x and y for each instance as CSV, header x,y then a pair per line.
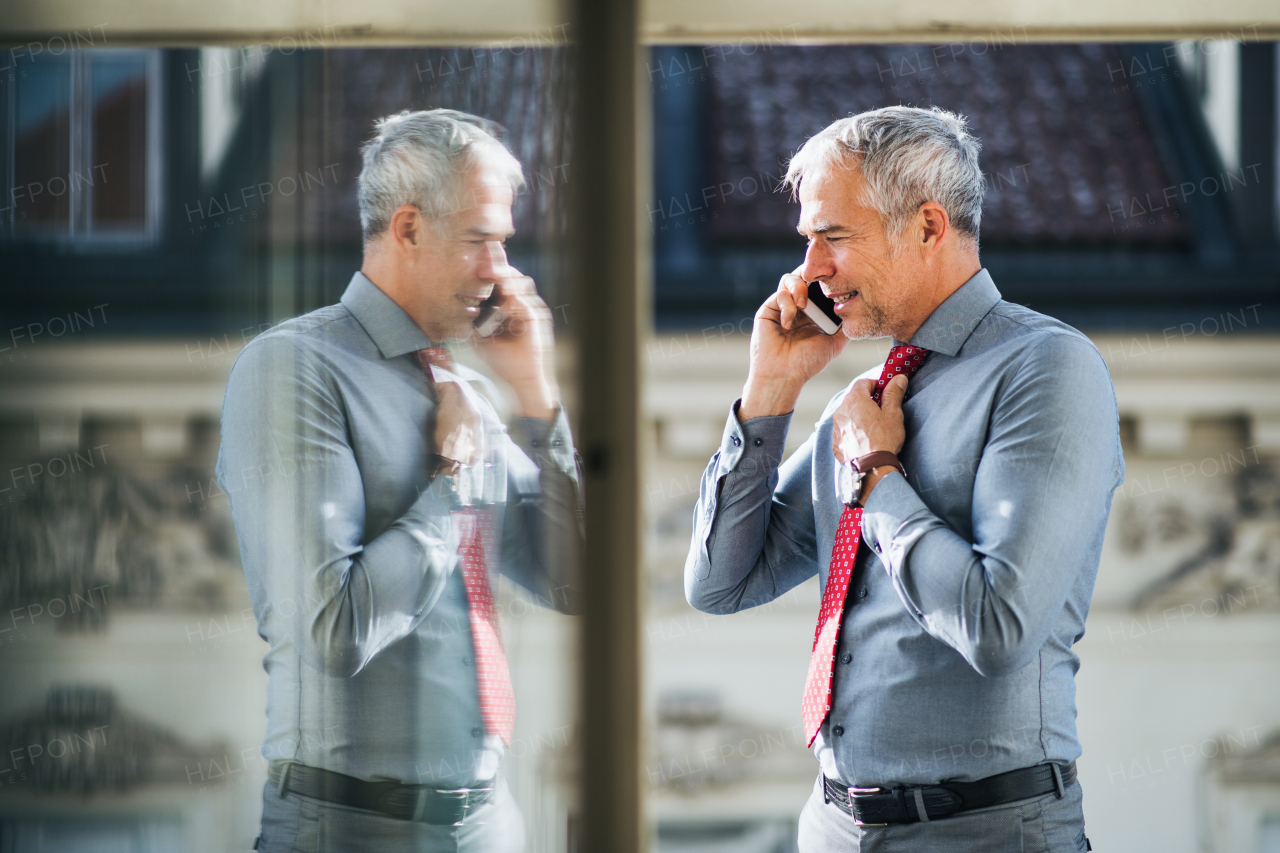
x,y
821,309
491,316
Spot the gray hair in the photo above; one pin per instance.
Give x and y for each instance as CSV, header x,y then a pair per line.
x,y
907,156
419,157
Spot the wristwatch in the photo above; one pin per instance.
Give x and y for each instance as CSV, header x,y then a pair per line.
x,y
437,464
849,477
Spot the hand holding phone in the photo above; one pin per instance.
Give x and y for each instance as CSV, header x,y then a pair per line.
x,y
786,352
492,315
516,340
821,309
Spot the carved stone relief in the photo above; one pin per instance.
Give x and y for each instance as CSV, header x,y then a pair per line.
x,y
1212,541
83,742
117,535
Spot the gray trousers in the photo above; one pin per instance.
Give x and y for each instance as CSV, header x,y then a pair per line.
x,y
297,824
1043,824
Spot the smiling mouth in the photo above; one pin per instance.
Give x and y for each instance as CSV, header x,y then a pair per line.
x,y
472,303
842,299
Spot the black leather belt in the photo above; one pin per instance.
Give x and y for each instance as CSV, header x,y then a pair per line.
x,y
883,806
423,803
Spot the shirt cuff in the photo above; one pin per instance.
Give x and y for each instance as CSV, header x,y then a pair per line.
x,y
752,446
886,511
440,495
547,442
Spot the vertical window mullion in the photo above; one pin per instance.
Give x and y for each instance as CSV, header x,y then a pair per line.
x,y
81,144
9,205
155,151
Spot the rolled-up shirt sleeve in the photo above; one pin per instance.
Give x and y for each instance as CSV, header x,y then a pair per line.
x,y
753,529
298,503
1046,477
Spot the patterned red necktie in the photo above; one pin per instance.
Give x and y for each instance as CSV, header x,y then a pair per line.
x,y
476,541
817,686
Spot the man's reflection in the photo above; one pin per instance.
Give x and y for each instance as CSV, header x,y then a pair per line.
x,y
376,494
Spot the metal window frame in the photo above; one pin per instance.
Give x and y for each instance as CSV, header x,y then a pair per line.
x,y
611,181
88,233
494,22
81,232
612,177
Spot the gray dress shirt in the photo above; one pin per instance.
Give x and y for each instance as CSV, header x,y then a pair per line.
x,y
351,553
973,582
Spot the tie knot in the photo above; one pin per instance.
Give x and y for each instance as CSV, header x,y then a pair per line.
x,y
905,360
907,354
437,356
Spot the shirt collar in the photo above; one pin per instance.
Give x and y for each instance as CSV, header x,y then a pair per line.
x,y
384,321
952,322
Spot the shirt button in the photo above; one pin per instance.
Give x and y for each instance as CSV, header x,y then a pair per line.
x,y
758,442
736,441
467,661
477,732
838,731
862,593
846,658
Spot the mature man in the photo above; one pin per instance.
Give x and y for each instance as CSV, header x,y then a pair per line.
x,y
376,493
955,520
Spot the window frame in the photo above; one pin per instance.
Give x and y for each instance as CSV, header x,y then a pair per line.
x,y
81,232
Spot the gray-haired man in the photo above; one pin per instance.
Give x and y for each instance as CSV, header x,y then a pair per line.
x,y
955,519
376,495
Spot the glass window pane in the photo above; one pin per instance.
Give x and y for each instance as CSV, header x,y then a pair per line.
x,y
1130,192
71,833
42,144
117,167
323,608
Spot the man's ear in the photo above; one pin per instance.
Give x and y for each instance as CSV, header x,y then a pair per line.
x,y
406,229
935,226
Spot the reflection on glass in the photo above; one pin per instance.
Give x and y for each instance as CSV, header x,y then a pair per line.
x,y
78,146
378,497
335,598
42,143
118,162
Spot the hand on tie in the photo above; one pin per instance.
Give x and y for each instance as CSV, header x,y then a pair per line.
x,y
458,426
859,426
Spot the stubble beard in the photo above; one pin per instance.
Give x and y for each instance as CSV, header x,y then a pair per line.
x,y
875,321
460,324
872,324
460,331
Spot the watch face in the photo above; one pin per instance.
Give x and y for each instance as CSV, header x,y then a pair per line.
x,y
847,482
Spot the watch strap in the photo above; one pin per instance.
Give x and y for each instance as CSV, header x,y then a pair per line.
x,y
877,458
437,464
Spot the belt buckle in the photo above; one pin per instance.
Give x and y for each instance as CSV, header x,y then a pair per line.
x,y
855,792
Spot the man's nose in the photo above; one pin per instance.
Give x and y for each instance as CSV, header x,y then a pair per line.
x,y
817,263
496,259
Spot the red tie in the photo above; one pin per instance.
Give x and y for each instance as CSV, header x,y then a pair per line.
x,y
817,685
476,541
